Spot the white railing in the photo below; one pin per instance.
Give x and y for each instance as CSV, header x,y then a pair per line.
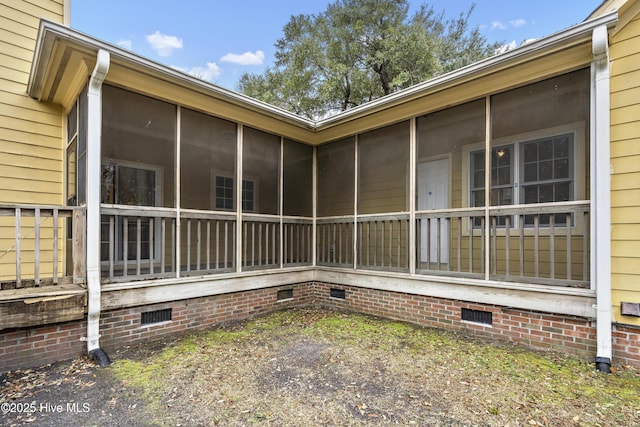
x,y
543,243
47,247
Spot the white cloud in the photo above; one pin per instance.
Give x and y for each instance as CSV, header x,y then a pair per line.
x,y
517,22
506,47
527,41
163,44
497,25
247,58
209,73
126,44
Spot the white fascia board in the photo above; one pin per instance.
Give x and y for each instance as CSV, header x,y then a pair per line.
x,y
50,31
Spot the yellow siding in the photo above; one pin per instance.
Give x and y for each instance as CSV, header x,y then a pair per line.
x,y
31,147
625,163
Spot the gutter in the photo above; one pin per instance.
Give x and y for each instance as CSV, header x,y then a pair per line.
x,y
94,137
601,195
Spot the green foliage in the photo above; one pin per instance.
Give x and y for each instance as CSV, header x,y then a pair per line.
x,y
359,50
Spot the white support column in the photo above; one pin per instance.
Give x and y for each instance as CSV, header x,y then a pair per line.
x,y
178,240
314,202
94,170
487,189
601,195
412,195
281,201
239,242
356,236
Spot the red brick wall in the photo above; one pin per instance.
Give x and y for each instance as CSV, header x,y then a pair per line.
x,y
42,345
567,334
122,327
626,345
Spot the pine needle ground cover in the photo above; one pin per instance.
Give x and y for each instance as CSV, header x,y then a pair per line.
x,y
309,367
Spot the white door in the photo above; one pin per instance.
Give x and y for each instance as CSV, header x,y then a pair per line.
x,y
433,193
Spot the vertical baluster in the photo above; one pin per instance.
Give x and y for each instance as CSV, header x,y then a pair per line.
x,y
36,250
217,265
208,244
438,243
419,243
188,245
569,260
138,245
234,236
482,237
472,221
125,246
521,220
399,242
507,244
298,241
260,241
459,244
173,245
339,225
266,246
375,243
585,247
536,235
111,244
163,229
552,246
151,245
198,244
428,243
253,244
382,245
55,245
226,245
274,238
390,243
245,236
494,244
18,249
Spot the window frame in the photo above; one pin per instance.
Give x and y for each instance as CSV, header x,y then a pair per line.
x,y
579,143
214,189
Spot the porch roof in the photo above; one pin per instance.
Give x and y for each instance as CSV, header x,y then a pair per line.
x,y
64,58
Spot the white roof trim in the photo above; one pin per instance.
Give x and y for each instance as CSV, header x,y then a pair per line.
x,y
50,31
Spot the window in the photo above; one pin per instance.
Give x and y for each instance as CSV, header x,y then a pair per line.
x,y
131,184
248,195
538,170
225,194
547,174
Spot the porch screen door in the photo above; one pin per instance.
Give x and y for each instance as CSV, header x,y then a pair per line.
x,y
433,193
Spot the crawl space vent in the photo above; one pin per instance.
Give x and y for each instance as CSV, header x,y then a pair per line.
x,y
285,294
157,316
477,316
337,293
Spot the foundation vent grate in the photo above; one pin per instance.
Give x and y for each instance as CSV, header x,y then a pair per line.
x,y
477,316
156,316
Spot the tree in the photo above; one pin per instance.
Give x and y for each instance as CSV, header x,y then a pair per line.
x,y
359,50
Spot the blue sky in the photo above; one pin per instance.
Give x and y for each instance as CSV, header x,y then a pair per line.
x,y
220,40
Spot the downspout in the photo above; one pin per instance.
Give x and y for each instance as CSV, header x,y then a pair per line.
x,y
601,195
94,137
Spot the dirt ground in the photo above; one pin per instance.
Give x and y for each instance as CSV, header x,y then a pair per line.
x,y
317,367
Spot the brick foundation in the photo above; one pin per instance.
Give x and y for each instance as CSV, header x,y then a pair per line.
x,y
567,334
